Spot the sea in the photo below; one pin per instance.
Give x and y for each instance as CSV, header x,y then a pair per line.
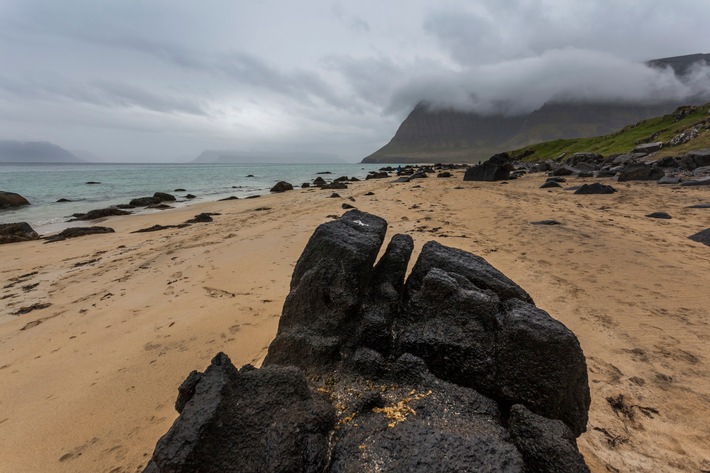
x,y
44,184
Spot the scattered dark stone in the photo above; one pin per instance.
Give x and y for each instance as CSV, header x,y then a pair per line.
x,y
562,171
10,200
377,175
402,179
556,179
31,308
262,209
334,195
250,175
702,237
648,148
419,175
231,197
201,218
585,174
189,196
334,185
444,174
696,182
62,200
160,207
699,206
546,222
91,183
17,232
144,201
305,185
342,179
667,162
179,190
347,206
252,196
164,197
424,372
125,206
370,193
75,232
504,182
669,180
640,172
550,184
99,213
319,181
662,215
459,188
351,199
156,228
324,172
605,173
497,168
282,186
354,179
595,188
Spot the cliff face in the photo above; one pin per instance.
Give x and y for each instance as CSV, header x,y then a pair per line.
x,y
428,134
449,135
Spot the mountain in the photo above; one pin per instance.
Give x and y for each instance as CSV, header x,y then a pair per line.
x,y
686,129
430,134
237,157
34,152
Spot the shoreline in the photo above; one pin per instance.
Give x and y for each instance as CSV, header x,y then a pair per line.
x,y
124,330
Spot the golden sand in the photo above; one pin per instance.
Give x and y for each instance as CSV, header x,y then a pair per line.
x,y
88,383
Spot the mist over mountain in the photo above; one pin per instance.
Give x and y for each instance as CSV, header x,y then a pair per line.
x,y
474,129
34,152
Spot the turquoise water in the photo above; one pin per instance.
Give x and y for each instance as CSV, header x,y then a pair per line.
x,y
44,184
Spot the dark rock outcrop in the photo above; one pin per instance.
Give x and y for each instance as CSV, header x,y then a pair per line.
x,y
157,198
282,186
75,232
10,200
595,188
702,237
283,425
100,213
497,168
640,172
453,369
696,182
550,185
661,215
17,232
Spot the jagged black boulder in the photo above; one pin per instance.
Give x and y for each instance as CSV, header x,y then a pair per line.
x,y
282,186
497,168
246,421
640,172
453,370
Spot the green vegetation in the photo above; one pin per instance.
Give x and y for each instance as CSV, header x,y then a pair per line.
x,y
662,128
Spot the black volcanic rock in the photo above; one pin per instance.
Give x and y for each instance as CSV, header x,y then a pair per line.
x,y
595,188
497,168
17,232
275,422
640,172
100,213
75,232
282,186
702,237
546,445
157,198
453,370
10,200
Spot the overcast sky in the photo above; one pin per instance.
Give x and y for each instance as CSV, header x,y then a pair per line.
x,y
163,80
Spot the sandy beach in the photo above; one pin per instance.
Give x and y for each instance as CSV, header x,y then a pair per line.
x,y
89,382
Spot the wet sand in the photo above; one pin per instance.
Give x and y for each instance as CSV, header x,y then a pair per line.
x,y
88,383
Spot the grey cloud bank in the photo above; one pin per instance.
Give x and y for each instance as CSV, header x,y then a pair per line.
x,y
165,80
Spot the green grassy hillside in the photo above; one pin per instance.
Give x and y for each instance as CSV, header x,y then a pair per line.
x,y
662,128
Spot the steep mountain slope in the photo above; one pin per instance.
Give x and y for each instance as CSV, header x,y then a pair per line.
x,y
429,134
685,129
34,152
